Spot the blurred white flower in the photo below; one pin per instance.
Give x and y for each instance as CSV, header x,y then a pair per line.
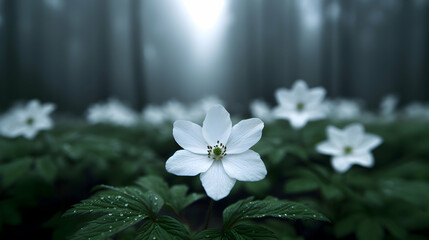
x,y
198,110
260,109
349,146
154,115
174,110
342,109
300,104
112,112
27,120
417,110
219,152
388,106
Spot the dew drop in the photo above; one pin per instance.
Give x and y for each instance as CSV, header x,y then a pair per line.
x,y
126,204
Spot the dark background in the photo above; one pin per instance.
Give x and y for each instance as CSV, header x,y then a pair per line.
x,y
77,52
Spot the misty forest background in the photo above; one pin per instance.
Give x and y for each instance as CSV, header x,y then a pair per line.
x,y
78,52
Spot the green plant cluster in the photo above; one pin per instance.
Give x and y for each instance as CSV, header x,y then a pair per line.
x,y
41,179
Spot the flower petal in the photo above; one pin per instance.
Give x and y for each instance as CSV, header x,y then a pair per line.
x,y
298,120
285,98
353,134
315,96
341,164
327,147
48,108
216,181
368,142
217,125
246,166
189,136
185,163
336,136
299,88
244,135
366,160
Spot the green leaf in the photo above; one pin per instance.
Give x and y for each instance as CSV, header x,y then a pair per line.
x,y
370,229
212,234
175,197
163,228
13,171
179,200
119,208
347,225
394,229
242,231
300,185
155,184
247,209
46,168
246,231
414,192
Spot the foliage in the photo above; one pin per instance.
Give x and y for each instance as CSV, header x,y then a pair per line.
x,y
39,179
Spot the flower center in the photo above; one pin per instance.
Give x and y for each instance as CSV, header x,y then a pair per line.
x,y
300,106
348,150
30,121
217,151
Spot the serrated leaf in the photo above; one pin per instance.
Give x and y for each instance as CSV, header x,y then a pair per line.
x,y
246,231
369,229
155,184
119,208
247,209
46,168
13,171
107,225
162,228
299,185
178,198
174,197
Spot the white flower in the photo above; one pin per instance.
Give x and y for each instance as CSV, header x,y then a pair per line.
x,y
343,109
417,110
388,107
300,104
27,120
349,146
154,115
113,112
174,110
260,109
218,152
198,110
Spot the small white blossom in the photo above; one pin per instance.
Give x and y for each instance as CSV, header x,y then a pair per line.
x,y
342,109
260,109
417,110
112,112
27,120
349,146
218,152
174,110
300,104
388,107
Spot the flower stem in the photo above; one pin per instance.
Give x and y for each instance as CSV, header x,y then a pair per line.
x,y
209,214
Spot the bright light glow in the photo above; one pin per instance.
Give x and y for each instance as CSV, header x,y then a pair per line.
x,y
311,14
204,14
